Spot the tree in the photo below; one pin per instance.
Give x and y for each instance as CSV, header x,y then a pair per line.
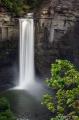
x,y
65,82
16,7
20,7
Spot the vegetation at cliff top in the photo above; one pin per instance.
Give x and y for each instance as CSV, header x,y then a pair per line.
x,y
20,7
64,81
5,112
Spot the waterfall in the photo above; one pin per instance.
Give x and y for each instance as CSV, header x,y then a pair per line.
x,y
27,79
26,63
51,35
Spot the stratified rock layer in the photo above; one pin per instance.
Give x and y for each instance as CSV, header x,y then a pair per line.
x,y
57,33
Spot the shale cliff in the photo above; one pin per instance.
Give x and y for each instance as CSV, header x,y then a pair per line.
x,y
57,33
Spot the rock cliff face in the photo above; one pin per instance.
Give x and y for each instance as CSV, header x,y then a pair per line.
x,y
8,26
57,33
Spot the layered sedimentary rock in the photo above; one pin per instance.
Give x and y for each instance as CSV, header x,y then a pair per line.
x,y
57,33
8,26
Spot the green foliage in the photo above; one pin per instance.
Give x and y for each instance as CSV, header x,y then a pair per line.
x,y
16,7
3,104
65,80
63,74
59,117
47,100
5,112
7,115
20,7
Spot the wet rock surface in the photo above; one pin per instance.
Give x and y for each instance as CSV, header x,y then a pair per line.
x,y
8,64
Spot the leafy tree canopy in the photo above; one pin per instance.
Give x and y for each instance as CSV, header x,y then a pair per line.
x,y
65,81
19,7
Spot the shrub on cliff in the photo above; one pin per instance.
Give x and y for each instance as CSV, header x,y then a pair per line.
x,y
5,112
65,81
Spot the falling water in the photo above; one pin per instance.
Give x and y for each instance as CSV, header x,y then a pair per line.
x,y
52,34
26,64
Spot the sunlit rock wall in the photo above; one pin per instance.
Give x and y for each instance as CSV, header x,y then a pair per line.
x,y
57,33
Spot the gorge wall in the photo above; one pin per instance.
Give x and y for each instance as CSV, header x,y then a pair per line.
x,y
8,26
57,33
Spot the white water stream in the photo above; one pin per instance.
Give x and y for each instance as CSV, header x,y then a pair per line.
x,y
26,63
